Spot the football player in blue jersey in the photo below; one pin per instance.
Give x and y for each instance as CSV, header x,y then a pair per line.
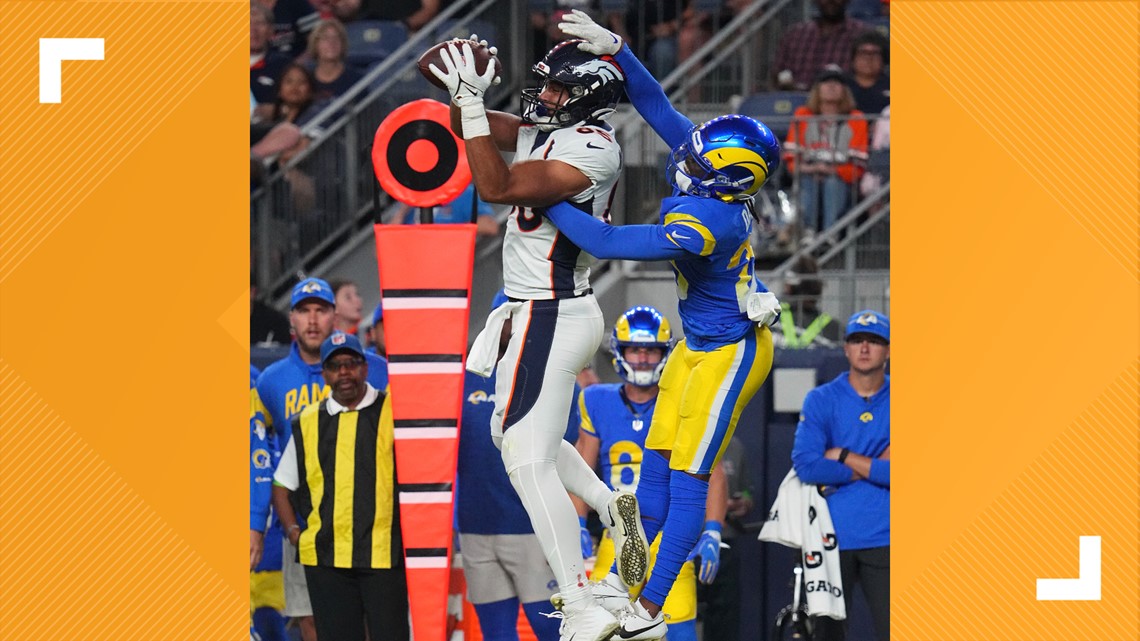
x,y
715,168
614,422
284,389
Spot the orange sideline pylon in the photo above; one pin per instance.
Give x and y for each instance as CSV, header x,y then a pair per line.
x,y
425,286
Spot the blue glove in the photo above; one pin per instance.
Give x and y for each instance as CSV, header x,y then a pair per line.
x,y
708,548
587,540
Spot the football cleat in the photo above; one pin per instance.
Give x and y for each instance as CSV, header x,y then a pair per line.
x,y
630,546
636,624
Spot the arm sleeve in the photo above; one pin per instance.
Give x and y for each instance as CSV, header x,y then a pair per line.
x,y
650,100
880,473
810,444
602,240
260,474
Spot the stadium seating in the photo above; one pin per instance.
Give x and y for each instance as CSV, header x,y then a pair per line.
x,y
773,108
370,41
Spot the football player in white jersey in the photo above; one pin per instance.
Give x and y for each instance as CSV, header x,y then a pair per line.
x,y
564,150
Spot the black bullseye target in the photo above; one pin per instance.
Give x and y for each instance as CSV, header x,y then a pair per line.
x,y
416,157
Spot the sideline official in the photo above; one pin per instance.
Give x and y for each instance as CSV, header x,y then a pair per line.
x,y
337,476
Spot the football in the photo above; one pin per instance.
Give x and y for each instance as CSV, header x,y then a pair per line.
x,y
431,57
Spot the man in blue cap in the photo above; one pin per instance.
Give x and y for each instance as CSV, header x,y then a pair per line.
x,y
284,389
843,442
336,498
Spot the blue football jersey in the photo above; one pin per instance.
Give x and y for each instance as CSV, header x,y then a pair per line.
x,y
621,426
716,276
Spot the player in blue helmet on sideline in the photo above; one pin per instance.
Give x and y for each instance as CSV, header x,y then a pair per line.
x,y
614,422
715,168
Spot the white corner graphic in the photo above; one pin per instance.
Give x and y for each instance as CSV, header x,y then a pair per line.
x,y
53,51
1084,588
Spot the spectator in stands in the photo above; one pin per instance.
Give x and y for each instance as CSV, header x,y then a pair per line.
x,y
879,163
825,149
545,16
698,26
651,28
349,306
292,20
328,48
870,81
267,141
265,66
809,46
413,13
843,442
294,101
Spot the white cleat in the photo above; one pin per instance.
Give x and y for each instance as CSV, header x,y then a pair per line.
x,y
630,546
610,593
592,623
635,624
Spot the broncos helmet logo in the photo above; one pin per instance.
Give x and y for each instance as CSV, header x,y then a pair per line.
x,y
600,67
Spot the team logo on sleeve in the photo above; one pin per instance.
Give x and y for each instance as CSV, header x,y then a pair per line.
x,y
479,396
260,459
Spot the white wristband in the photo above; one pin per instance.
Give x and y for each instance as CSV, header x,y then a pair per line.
x,y
474,121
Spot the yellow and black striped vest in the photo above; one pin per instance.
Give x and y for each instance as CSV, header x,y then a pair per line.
x,y
347,492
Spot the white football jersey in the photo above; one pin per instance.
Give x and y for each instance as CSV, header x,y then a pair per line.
x,y
539,262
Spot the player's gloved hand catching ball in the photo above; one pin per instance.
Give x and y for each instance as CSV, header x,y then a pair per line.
x,y
599,40
461,77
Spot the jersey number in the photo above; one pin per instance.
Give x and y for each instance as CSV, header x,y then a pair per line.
x,y
529,219
625,465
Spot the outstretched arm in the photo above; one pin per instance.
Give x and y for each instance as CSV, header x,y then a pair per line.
x,y
642,88
602,240
647,96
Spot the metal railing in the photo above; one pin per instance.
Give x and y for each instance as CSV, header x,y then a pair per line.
x,y
328,192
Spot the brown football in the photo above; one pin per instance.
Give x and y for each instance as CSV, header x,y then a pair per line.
x,y
431,57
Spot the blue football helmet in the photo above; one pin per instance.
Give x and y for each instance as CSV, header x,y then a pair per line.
x,y
642,326
728,158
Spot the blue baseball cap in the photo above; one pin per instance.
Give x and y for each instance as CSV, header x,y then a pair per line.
x,y
378,313
312,288
499,300
340,342
869,321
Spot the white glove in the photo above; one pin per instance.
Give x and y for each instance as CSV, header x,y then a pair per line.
x,y
494,52
599,40
463,82
763,308
466,87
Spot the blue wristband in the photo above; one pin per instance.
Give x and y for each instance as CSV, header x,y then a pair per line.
x,y
714,526
582,521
